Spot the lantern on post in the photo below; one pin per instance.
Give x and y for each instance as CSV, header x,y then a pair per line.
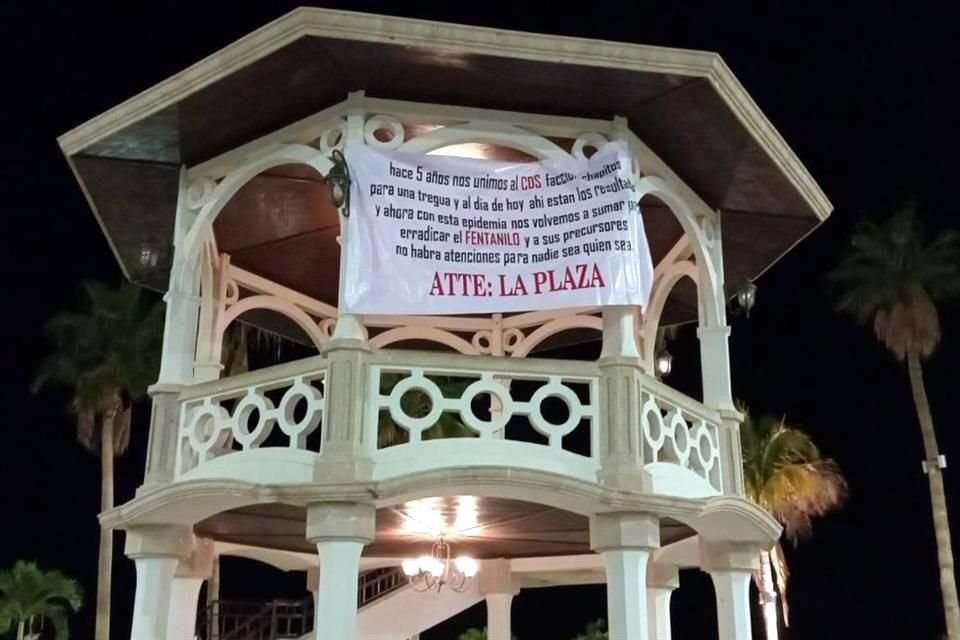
x,y
338,180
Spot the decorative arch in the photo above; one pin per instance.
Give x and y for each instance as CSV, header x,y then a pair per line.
x,y
210,198
431,334
489,133
554,327
708,279
663,284
281,306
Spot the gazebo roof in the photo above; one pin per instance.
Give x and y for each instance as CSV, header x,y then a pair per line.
x,y
686,105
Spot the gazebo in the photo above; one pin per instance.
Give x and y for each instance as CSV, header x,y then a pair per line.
x,y
212,187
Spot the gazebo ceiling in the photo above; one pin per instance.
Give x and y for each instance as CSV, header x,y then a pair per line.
x,y
686,105
480,527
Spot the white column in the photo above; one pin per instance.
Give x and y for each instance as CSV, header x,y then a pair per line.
x,y
731,565
498,616
620,333
733,603
340,530
498,585
152,600
715,364
182,610
156,551
658,613
662,579
336,613
625,540
626,593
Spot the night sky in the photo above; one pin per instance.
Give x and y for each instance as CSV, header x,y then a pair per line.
x,y
866,97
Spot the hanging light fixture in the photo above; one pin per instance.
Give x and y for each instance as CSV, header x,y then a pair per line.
x,y
435,571
664,363
746,297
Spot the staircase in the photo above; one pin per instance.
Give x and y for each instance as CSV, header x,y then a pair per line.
x,y
284,619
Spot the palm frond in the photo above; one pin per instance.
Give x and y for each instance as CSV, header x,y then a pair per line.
x,y
28,593
109,349
893,278
785,473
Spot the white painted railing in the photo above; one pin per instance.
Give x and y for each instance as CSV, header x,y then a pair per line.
x,y
515,428
442,410
241,413
678,432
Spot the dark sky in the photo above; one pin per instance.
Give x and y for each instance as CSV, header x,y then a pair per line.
x,y
866,97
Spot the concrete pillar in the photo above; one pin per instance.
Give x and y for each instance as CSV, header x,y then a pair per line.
x,y
498,616
661,582
619,438
152,600
340,530
625,540
182,611
185,590
156,552
733,603
162,444
715,363
499,587
347,447
620,332
731,567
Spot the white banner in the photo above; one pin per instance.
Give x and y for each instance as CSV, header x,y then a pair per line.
x,y
432,234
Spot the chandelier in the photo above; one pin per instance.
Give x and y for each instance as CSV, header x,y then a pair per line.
x,y
435,571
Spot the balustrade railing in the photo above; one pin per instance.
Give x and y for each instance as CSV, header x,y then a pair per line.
x,y
241,413
679,431
490,398
425,410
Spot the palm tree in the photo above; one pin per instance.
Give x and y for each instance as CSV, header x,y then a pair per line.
x,y
30,596
785,474
893,278
416,403
107,355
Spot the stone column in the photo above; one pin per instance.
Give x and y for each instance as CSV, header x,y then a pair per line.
x,y
185,590
715,362
498,586
620,333
156,551
731,567
619,436
182,612
164,429
340,530
662,580
625,540
176,370
346,449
